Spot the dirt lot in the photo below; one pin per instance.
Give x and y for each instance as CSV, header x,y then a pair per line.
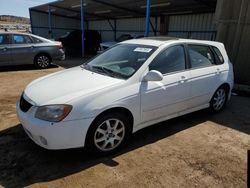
x,y
196,150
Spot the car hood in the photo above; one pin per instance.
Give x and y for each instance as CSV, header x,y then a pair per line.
x,y
61,87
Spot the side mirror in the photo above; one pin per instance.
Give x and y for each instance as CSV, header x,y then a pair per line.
x,y
153,75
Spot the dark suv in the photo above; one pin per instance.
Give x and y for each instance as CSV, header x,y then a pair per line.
x,y
72,42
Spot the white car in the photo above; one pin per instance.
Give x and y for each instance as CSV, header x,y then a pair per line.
x,y
133,85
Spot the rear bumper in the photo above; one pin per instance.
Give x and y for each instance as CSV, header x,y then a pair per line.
x,y
60,56
54,136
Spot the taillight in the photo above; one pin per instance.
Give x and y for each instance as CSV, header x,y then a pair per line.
x,y
59,45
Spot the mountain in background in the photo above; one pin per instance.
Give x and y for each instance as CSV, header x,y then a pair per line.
x,y
14,19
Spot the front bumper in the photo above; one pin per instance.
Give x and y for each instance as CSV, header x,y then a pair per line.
x,y
54,136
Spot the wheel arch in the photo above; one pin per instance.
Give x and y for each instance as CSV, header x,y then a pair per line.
x,y
226,86
121,110
43,53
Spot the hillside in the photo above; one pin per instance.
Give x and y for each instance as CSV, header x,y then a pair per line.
x,y
14,19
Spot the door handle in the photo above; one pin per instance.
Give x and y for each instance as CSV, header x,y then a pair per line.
x,y
4,49
183,79
218,71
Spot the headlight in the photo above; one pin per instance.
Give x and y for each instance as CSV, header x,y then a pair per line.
x,y
53,113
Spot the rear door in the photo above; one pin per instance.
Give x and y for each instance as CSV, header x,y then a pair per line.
x,y
22,49
5,55
205,74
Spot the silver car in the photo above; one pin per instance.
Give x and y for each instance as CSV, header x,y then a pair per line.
x,y
18,48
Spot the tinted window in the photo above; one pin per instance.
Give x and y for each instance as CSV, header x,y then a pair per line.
x,y
21,39
219,57
200,56
171,60
4,39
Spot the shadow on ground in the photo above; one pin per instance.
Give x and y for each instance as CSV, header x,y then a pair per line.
x,y
14,68
22,163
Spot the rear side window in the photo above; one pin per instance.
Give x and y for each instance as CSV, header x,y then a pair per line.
x,y
36,40
201,56
170,60
218,56
4,39
21,39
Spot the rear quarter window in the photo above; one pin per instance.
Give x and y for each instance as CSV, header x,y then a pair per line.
x,y
36,40
218,56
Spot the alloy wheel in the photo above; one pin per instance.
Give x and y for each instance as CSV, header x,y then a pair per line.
x,y
109,134
43,61
219,99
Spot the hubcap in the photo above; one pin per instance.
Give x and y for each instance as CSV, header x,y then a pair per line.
x,y
43,61
109,134
219,99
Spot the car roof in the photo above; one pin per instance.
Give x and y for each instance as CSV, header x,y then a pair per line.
x,y
29,34
160,40
8,32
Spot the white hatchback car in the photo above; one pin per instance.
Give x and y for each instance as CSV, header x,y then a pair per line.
x,y
135,84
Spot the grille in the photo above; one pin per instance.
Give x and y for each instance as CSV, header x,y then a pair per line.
x,y
24,105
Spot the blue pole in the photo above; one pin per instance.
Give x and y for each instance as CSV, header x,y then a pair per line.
x,y
147,18
82,26
50,26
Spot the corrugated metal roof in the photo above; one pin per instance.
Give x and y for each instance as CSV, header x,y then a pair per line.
x,y
113,9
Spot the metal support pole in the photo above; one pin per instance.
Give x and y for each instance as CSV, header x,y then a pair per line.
x,y
31,21
156,26
82,26
49,21
147,18
115,29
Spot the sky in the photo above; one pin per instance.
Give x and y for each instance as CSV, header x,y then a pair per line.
x,y
19,7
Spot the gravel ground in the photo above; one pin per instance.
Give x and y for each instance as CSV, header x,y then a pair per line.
x,y
196,150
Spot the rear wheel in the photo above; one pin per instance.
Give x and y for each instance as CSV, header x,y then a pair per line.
x,y
219,100
108,133
42,61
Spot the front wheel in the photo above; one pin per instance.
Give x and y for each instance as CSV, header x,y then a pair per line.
x,y
219,100
108,133
42,61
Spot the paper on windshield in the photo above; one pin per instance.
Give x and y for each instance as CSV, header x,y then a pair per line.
x,y
145,50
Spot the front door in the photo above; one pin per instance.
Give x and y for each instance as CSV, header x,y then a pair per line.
x,y
169,96
5,55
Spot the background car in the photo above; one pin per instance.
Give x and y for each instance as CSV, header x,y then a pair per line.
x,y
17,48
108,44
72,42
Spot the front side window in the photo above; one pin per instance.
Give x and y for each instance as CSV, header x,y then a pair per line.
x,y
121,61
4,39
21,39
170,60
200,56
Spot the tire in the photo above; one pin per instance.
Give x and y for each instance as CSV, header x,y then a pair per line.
x,y
219,100
108,134
42,61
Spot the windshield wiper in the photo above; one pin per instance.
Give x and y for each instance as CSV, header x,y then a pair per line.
x,y
96,68
110,72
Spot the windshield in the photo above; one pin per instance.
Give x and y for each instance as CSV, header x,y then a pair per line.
x,y
121,61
